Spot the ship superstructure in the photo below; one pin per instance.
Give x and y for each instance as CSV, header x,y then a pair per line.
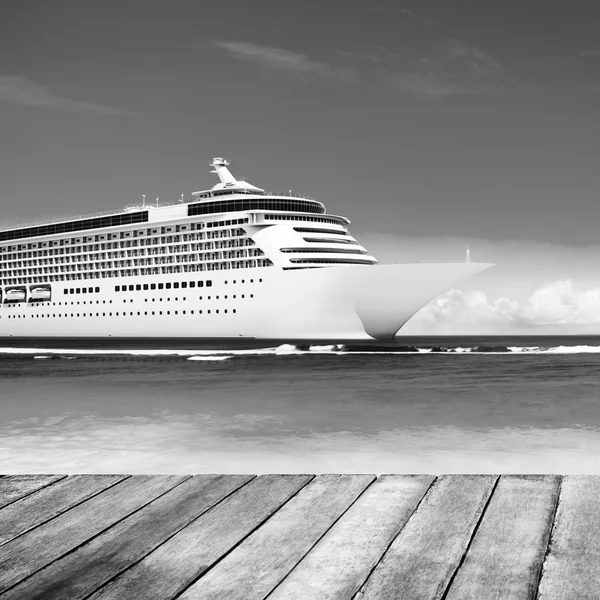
x,y
234,264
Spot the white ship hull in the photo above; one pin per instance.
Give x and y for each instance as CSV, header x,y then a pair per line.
x,y
359,304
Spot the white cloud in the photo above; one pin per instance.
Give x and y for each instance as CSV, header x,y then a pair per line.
x,y
558,303
25,92
280,59
448,68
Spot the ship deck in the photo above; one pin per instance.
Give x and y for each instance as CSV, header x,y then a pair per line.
x,y
299,536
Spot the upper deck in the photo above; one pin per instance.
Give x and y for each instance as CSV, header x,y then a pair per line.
x,y
231,195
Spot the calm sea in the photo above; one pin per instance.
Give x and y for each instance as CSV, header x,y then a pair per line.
x,y
430,405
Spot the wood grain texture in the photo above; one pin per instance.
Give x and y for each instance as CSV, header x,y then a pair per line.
x,y
257,565
343,559
37,548
506,555
83,571
14,487
172,567
422,559
571,566
50,501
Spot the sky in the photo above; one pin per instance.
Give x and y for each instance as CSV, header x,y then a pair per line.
x,y
430,124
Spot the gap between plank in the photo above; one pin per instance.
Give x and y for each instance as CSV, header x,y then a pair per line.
x,y
468,547
241,541
322,536
551,536
362,585
34,491
252,478
94,536
125,477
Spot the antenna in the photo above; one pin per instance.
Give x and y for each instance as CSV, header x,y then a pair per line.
x,y
143,199
156,201
181,199
468,255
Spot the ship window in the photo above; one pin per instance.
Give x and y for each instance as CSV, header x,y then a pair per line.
x,y
152,286
78,291
138,287
160,286
131,288
66,291
184,284
145,286
176,285
192,284
209,283
97,290
168,286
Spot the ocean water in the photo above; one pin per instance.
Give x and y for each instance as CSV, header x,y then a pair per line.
x,y
446,405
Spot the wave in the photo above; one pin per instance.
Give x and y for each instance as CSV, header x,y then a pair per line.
x,y
292,350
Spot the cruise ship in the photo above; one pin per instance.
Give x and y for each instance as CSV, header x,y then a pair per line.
x,y
234,266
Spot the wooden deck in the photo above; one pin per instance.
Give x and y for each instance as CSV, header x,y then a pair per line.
x,y
303,537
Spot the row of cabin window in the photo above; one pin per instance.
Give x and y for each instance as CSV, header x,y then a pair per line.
x,y
139,257
303,218
69,250
17,278
161,286
112,236
124,314
84,290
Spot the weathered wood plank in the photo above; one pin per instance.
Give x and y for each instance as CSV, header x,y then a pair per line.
x,y
172,567
37,548
506,555
49,502
83,571
422,559
14,487
571,566
339,563
257,565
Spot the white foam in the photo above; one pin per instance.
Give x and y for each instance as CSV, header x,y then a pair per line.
x,y
291,350
209,357
574,350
